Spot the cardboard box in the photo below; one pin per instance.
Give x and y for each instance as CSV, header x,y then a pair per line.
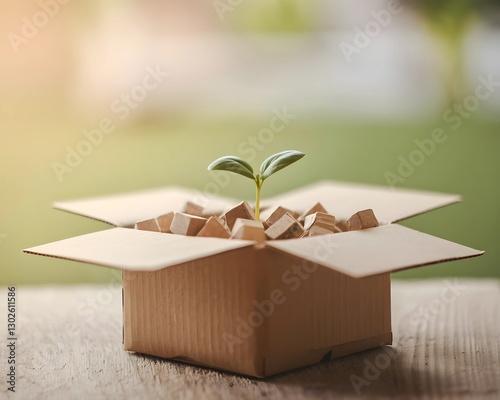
x,y
258,309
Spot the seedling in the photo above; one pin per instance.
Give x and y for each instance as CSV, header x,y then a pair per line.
x,y
271,165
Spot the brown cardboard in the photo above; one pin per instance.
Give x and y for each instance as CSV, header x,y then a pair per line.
x,y
374,251
242,210
344,199
249,230
319,224
201,328
215,227
193,209
148,225
186,224
309,299
363,219
287,227
126,209
272,215
164,221
357,253
200,301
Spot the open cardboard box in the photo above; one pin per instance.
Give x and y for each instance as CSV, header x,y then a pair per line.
x,y
258,309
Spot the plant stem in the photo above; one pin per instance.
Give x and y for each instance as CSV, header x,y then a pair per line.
x,y
258,182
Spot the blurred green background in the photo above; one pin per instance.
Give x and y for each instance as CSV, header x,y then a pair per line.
x,y
354,119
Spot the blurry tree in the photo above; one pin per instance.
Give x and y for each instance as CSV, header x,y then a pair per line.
x,y
269,16
448,21
490,12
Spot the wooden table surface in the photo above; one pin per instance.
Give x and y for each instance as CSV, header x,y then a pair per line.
x,y
446,345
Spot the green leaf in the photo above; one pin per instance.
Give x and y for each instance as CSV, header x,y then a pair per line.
x,y
279,161
232,164
265,164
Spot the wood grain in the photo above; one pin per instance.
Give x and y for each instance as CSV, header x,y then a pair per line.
x,y
446,345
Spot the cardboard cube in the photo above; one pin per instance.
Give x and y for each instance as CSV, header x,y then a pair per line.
x,y
320,223
242,210
148,225
164,222
272,215
186,224
193,209
214,227
287,227
363,219
249,230
258,309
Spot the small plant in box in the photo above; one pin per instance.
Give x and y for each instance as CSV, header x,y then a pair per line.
x,y
271,165
243,222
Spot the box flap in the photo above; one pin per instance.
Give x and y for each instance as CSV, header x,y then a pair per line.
x,y
374,251
126,209
136,250
344,199
340,199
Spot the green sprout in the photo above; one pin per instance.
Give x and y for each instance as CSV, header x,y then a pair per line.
x,y
270,166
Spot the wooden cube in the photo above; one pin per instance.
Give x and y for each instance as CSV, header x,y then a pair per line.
x,y
164,221
215,227
148,225
186,224
193,209
277,213
287,227
316,208
248,230
242,210
341,225
319,224
362,220
320,219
